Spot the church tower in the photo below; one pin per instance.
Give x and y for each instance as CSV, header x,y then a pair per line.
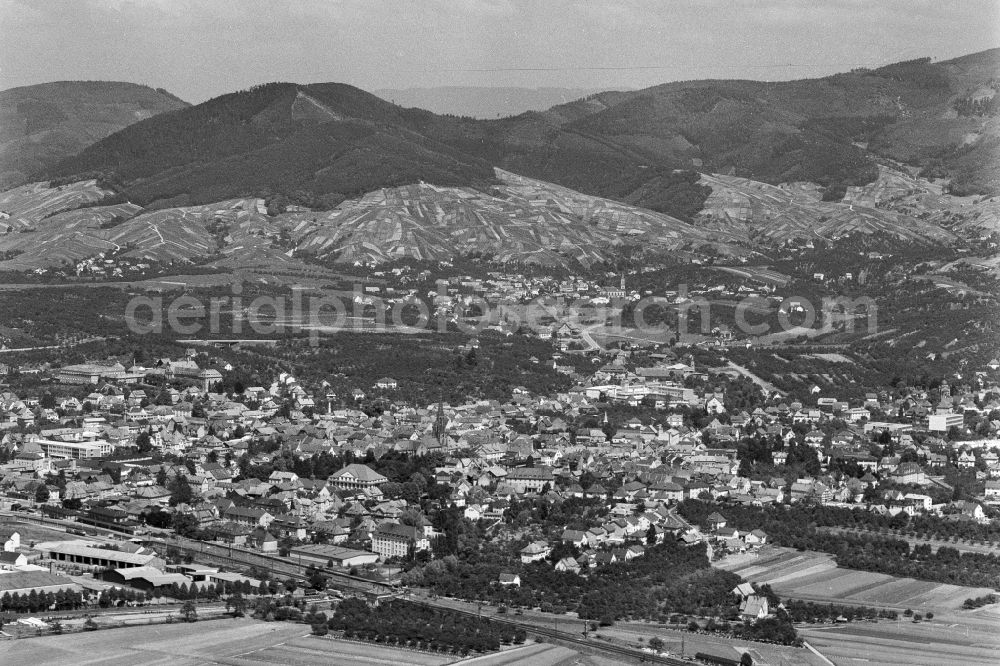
x,y
440,423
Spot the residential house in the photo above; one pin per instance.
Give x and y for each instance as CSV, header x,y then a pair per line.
x,y
535,551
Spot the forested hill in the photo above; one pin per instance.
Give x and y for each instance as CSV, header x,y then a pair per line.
x,y
43,124
320,143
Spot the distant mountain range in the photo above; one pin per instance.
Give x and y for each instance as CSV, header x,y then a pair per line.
x,y
485,103
44,124
330,173
318,144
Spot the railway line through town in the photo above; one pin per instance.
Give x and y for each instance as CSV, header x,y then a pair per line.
x,y
589,644
231,556
241,558
236,558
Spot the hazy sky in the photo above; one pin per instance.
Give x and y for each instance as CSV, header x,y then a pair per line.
x,y
201,48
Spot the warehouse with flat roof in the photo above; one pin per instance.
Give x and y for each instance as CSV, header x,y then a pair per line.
x,y
148,579
81,552
321,554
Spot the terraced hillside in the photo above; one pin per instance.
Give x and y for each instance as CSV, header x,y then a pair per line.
x,y
22,207
772,214
519,219
171,235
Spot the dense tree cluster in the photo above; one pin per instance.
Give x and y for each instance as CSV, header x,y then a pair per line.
x,y
808,611
669,578
285,609
35,602
409,624
821,516
977,106
427,367
676,193
979,602
775,629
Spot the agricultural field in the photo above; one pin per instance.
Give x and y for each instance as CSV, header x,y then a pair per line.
x,y
953,635
925,644
536,654
184,644
313,651
239,642
816,577
248,642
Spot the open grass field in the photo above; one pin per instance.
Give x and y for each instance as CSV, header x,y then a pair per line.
x,y
183,644
31,533
312,651
248,642
816,577
235,642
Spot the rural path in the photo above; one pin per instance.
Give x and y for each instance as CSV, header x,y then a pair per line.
x,y
766,385
814,650
157,230
586,337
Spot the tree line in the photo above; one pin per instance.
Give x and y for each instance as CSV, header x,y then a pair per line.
x,y
34,601
408,624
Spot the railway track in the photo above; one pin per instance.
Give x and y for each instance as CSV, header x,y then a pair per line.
x,y
290,569
608,647
231,556
567,637
240,558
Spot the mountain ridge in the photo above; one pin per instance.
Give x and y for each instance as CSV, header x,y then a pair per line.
x,y
482,102
43,124
620,145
